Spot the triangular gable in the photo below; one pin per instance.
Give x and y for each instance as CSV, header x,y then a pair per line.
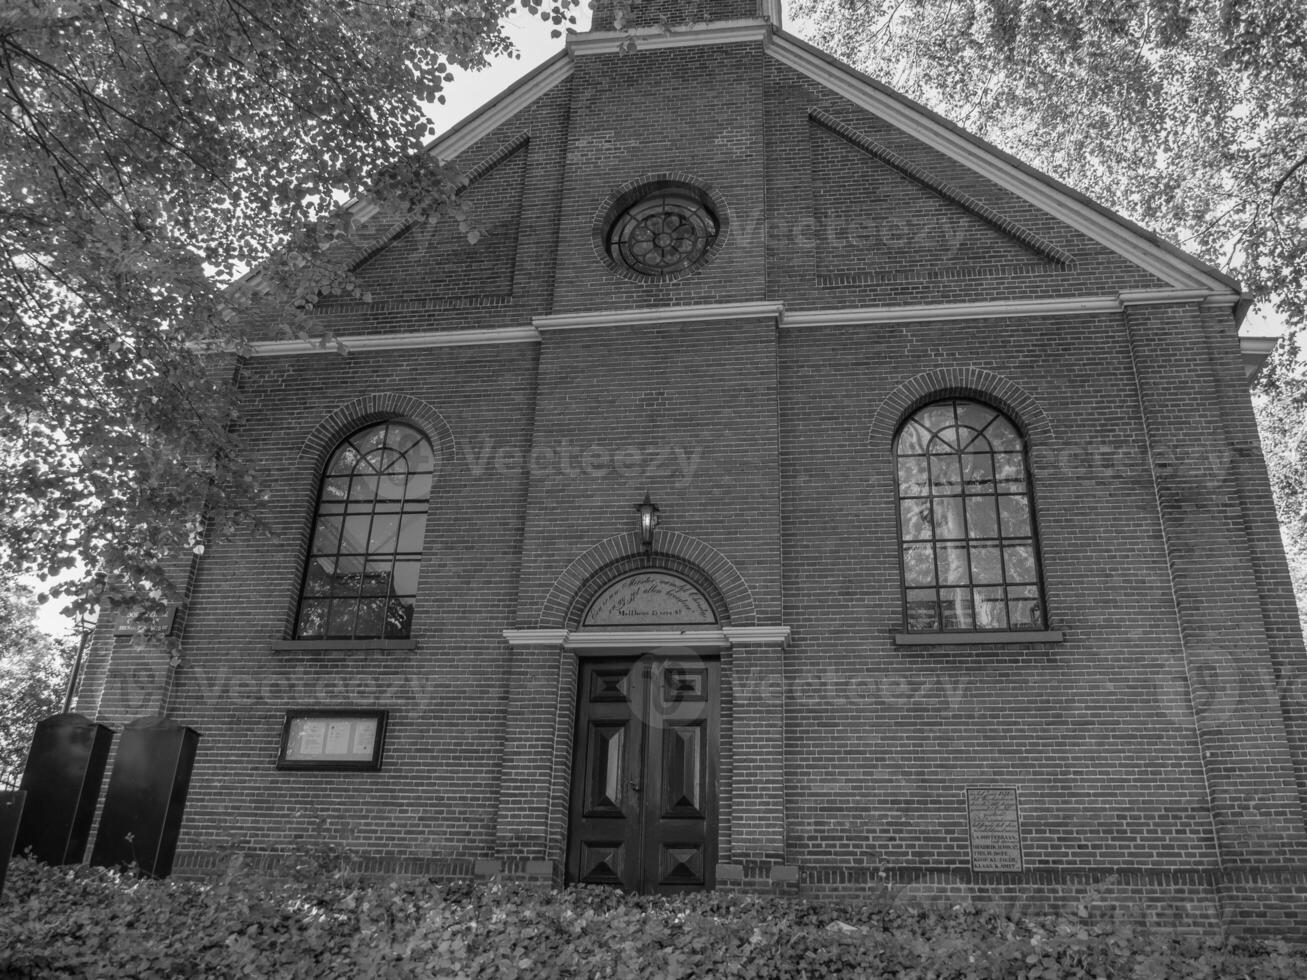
x,y
887,219
373,229
1134,243
435,262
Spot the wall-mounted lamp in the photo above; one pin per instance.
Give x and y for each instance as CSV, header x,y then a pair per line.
x,y
648,521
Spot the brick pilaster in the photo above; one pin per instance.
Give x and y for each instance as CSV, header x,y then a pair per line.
x,y
753,698
536,762
1256,813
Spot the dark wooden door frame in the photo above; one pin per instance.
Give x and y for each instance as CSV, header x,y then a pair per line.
x,y
642,811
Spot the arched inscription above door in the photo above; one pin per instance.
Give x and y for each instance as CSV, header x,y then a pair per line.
x,y
650,598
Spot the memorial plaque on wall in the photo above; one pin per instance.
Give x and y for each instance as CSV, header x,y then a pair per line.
x,y
994,821
332,739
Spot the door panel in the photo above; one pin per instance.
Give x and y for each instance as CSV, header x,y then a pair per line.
x,y
682,782
607,771
644,787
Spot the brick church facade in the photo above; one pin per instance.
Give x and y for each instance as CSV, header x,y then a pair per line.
x,y
964,576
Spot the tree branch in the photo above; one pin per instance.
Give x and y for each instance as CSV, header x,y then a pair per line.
x,y
1279,184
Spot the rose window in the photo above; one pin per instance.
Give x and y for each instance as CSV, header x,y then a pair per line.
x,y
662,234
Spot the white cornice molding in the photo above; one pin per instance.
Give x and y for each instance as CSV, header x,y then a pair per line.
x,y
1069,306
853,316
535,638
484,121
1167,297
771,635
654,317
649,640
1180,271
396,341
652,38
1258,345
1253,352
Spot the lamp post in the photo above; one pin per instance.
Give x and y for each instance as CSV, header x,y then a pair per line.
x,y
648,511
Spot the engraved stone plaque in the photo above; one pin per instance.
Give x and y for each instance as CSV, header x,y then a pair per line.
x,y
650,599
994,820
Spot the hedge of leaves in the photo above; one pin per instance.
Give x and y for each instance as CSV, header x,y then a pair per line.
x,y
82,922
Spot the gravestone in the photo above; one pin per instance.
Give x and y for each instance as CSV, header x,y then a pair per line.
x,y
143,806
65,768
11,812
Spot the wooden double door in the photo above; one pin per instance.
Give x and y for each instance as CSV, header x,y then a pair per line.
x,y
644,779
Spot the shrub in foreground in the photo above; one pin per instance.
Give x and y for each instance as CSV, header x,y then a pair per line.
x,y
86,922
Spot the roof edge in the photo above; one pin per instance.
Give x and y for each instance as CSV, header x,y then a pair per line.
x,y
512,100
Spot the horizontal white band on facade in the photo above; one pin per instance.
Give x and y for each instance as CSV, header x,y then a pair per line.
x,y
535,638
649,639
852,316
650,38
757,634
989,310
397,341
1220,301
656,316
1161,297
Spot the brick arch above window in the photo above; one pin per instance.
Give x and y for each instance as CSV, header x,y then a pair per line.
x,y
680,554
1005,395
379,407
327,436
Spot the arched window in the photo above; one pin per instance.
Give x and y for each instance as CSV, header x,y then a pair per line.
x,y
969,549
361,578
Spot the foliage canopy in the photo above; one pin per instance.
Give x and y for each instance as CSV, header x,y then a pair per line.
x,y
152,151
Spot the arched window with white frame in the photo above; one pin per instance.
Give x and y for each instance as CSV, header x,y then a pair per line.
x,y
361,575
969,546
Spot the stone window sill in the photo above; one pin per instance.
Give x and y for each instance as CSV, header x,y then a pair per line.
x,y
978,638
309,646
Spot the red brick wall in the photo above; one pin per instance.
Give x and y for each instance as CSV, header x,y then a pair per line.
x,y
885,739
620,130
437,792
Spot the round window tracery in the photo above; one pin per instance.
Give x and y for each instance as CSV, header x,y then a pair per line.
x,y
659,230
663,234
